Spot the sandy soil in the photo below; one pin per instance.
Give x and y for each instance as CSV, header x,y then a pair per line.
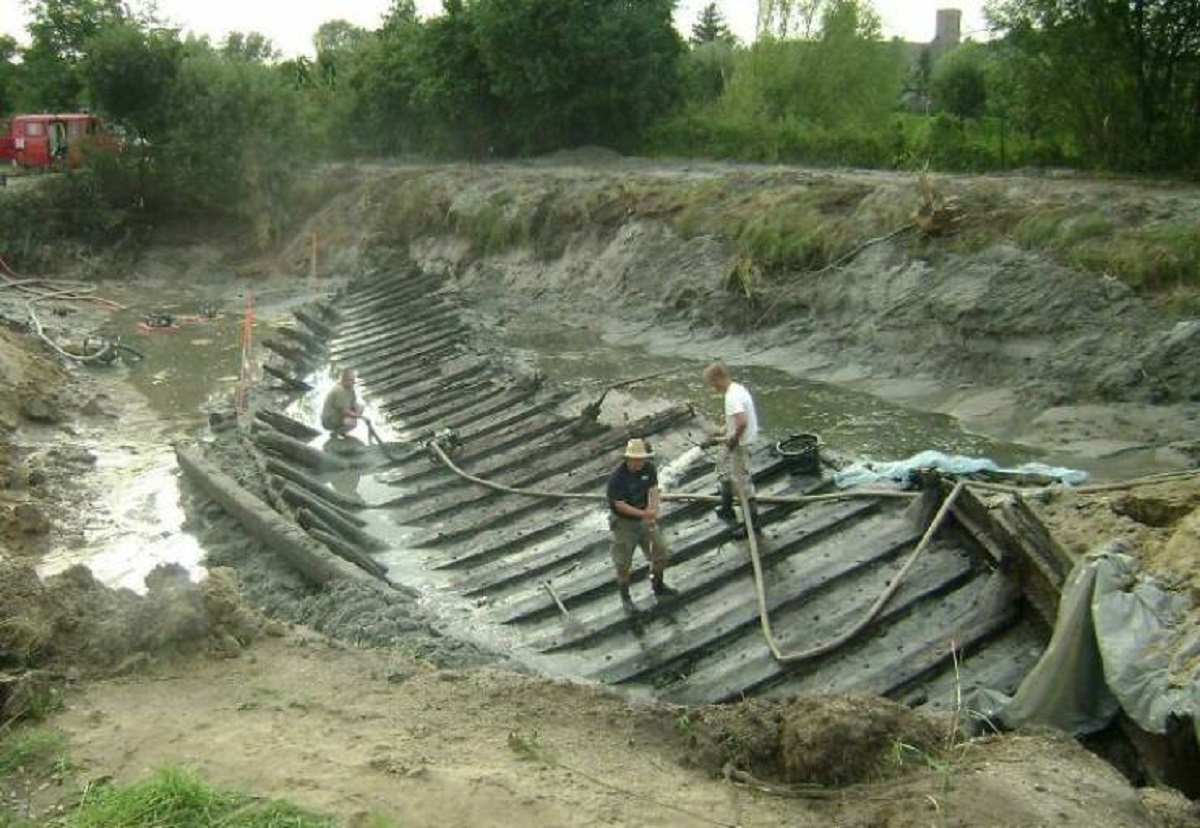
x,y
356,733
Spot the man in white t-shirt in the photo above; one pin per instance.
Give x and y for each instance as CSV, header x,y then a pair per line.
x,y
740,432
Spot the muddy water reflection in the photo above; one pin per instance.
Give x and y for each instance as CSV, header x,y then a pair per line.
x,y
142,525
854,423
135,523
188,368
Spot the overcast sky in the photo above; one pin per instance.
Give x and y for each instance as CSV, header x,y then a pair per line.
x,y
291,23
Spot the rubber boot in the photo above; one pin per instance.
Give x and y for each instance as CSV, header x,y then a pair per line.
x,y
660,587
626,598
725,510
740,532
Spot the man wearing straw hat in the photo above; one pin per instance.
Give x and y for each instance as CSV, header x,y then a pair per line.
x,y
634,505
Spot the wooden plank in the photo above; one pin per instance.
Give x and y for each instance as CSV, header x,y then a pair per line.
x,y
313,561
914,646
831,593
803,528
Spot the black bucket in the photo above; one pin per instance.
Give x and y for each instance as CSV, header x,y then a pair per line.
x,y
801,453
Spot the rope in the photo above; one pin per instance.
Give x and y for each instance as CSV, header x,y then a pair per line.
x,y
698,498
104,354
53,289
764,615
821,649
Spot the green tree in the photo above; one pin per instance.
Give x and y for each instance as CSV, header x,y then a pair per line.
x,y
710,27
235,137
958,82
251,47
566,74
336,42
59,30
790,18
453,91
131,74
1120,75
705,71
379,88
8,74
846,76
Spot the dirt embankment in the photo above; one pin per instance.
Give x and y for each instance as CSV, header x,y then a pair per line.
x,y
363,734
1055,312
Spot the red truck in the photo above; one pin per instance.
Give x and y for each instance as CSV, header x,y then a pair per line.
x,y
47,140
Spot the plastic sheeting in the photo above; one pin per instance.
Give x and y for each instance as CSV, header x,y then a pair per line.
x,y
1116,646
905,471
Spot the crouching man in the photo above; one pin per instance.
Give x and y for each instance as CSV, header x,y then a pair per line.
x,y
342,409
633,500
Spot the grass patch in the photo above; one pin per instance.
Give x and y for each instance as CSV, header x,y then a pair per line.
x,y
497,226
31,751
1155,259
1062,228
790,236
179,799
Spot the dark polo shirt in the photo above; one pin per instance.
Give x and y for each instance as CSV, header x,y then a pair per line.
x,y
631,487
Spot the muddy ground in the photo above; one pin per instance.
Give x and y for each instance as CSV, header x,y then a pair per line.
x,y
238,678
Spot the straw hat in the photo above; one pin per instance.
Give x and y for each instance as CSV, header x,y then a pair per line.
x,y
637,450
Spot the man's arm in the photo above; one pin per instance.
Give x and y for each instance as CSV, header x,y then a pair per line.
x,y
630,511
652,504
615,492
737,429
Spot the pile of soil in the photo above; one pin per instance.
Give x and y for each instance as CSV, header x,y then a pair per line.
x,y
830,741
1158,522
73,620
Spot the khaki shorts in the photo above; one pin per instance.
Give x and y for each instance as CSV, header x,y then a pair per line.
x,y
734,468
627,534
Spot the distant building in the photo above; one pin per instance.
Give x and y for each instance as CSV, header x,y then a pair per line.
x,y
922,56
949,31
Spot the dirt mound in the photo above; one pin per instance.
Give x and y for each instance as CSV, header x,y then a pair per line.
x,y
850,739
28,375
1157,522
73,620
830,740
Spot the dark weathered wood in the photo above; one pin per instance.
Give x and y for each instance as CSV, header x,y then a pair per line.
x,y
695,538
346,551
290,383
1042,565
305,340
975,517
299,452
331,515
383,338
286,425
319,328
282,536
834,591
317,487
290,354
912,647
805,532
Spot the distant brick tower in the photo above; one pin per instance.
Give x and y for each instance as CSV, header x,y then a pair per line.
x,y
949,30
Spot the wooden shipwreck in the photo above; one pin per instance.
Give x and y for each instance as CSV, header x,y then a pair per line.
x,y
531,576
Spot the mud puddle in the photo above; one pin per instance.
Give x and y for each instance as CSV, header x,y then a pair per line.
x,y
135,520
856,424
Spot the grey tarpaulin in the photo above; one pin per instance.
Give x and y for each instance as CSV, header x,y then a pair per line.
x,y
1115,647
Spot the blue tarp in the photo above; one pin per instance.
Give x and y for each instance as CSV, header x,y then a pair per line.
x,y
904,471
